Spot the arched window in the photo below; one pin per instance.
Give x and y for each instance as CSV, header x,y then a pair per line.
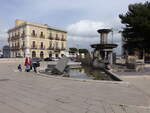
x,y
41,54
56,55
33,54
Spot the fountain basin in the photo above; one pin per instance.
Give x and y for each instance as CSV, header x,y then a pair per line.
x,y
104,46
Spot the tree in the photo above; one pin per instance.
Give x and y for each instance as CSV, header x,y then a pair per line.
x,y
136,32
85,51
73,50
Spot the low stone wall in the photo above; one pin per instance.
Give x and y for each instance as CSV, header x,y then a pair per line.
x,y
112,75
11,60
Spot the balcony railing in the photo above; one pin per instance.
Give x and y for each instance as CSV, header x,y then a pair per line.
x,y
63,48
57,38
57,49
16,37
23,47
15,48
22,35
63,39
51,38
34,35
50,48
42,48
42,36
34,47
13,38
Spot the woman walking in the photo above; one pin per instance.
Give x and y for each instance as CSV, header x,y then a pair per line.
x,y
28,64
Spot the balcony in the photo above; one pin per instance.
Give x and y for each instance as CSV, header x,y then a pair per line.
x,y
23,35
16,37
34,35
57,38
50,48
15,48
57,49
51,38
63,49
23,47
63,39
13,38
34,47
42,48
42,36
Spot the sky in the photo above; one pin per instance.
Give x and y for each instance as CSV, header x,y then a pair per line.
x,y
81,18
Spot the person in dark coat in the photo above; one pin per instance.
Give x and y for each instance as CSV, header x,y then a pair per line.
x,y
34,65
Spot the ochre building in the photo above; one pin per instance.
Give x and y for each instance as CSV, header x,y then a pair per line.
x,y
36,40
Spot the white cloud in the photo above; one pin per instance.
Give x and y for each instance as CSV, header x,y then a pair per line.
x,y
84,33
3,37
85,28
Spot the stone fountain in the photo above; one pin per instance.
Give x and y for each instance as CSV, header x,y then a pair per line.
x,y
103,52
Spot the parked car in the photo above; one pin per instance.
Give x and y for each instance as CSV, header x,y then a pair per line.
x,y
47,59
56,59
19,56
36,59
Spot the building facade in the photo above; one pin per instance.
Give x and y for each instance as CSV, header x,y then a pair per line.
x,y
36,40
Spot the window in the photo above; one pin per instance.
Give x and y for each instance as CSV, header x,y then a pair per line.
x,y
56,55
33,32
42,45
33,44
23,43
23,32
50,44
62,55
56,35
18,45
42,35
18,33
50,55
56,45
62,45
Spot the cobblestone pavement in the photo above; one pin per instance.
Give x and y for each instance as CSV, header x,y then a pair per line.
x,y
22,92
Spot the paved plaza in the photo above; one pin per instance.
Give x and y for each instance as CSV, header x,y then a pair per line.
x,y
22,92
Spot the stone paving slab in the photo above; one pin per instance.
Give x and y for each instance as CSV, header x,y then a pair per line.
x,y
22,92
142,82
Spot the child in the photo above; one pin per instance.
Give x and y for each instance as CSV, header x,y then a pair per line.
x,y
19,67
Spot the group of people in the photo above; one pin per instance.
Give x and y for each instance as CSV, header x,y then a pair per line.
x,y
29,65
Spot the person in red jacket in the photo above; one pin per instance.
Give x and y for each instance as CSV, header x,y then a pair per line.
x,y
28,63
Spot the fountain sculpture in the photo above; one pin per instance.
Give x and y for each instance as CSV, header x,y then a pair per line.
x,y
103,52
